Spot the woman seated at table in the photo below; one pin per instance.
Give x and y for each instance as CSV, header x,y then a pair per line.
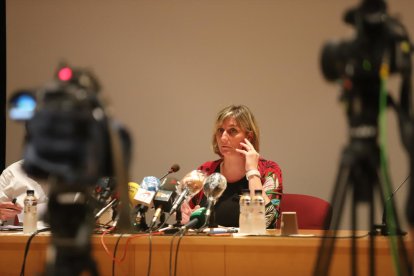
x,y
236,141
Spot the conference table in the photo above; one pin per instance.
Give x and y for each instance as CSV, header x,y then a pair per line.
x,y
224,254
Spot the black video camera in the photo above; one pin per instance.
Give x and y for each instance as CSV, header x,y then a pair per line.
x,y
70,141
377,36
67,128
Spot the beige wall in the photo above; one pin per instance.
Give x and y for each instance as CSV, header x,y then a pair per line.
x,y
167,67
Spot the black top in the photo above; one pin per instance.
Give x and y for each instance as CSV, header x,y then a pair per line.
x,y
226,210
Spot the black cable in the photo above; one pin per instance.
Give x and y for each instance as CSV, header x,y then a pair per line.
x,y
114,256
396,190
171,251
163,223
176,251
26,250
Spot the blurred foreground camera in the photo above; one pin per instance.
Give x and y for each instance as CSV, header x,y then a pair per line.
x,y
377,36
71,142
67,129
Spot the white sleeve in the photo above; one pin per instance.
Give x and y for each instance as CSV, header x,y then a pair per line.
x,y
5,180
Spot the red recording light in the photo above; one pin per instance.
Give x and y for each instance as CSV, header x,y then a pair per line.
x,y
65,74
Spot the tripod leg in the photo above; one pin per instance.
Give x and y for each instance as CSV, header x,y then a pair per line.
x,y
353,241
327,243
398,250
371,237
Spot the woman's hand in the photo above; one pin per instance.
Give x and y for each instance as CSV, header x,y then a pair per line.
x,y
9,210
251,155
186,211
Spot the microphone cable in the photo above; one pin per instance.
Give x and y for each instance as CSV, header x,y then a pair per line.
x,y
150,252
26,250
114,255
176,251
171,251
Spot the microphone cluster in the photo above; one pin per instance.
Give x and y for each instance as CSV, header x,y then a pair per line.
x,y
165,196
152,192
106,197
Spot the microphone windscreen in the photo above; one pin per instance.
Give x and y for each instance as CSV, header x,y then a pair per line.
x,y
175,168
193,182
214,185
132,190
150,183
199,214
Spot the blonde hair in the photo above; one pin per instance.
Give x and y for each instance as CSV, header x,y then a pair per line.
x,y
244,118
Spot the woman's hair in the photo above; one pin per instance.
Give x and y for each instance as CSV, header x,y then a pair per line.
x,y
244,118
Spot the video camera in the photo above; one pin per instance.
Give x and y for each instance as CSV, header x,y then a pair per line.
x,y
67,128
71,142
377,35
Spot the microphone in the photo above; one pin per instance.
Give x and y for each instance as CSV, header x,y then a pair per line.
x,y
190,185
214,186
104,209
132,190
164,198
169,183
105,195
197,219
141,196
104,189
146,192
174,168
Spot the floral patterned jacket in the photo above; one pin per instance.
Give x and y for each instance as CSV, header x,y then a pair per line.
x,y
271,178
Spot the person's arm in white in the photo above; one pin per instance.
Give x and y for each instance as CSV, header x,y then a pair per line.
x,y
8,209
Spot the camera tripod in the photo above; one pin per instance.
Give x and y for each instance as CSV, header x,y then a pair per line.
x,y
359,171
381,47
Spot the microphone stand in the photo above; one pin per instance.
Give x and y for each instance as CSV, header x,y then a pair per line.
x,y
139,218
165,175
104,209
178,218
173,169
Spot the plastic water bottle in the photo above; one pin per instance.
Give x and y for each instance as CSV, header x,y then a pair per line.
x,y
258,220
245,225
30,212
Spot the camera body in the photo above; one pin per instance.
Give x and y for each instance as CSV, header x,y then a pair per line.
x,y
70,142
378,37
66,128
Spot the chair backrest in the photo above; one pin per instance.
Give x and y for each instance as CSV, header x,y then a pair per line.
x,y
311,211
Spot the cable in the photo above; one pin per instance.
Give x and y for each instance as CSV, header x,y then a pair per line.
x,y
396,190
126,245
176,251
164,222
171,252
384,74
26,250
114,256
150,253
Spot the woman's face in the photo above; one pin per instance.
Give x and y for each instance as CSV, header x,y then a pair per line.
x,y
228,136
